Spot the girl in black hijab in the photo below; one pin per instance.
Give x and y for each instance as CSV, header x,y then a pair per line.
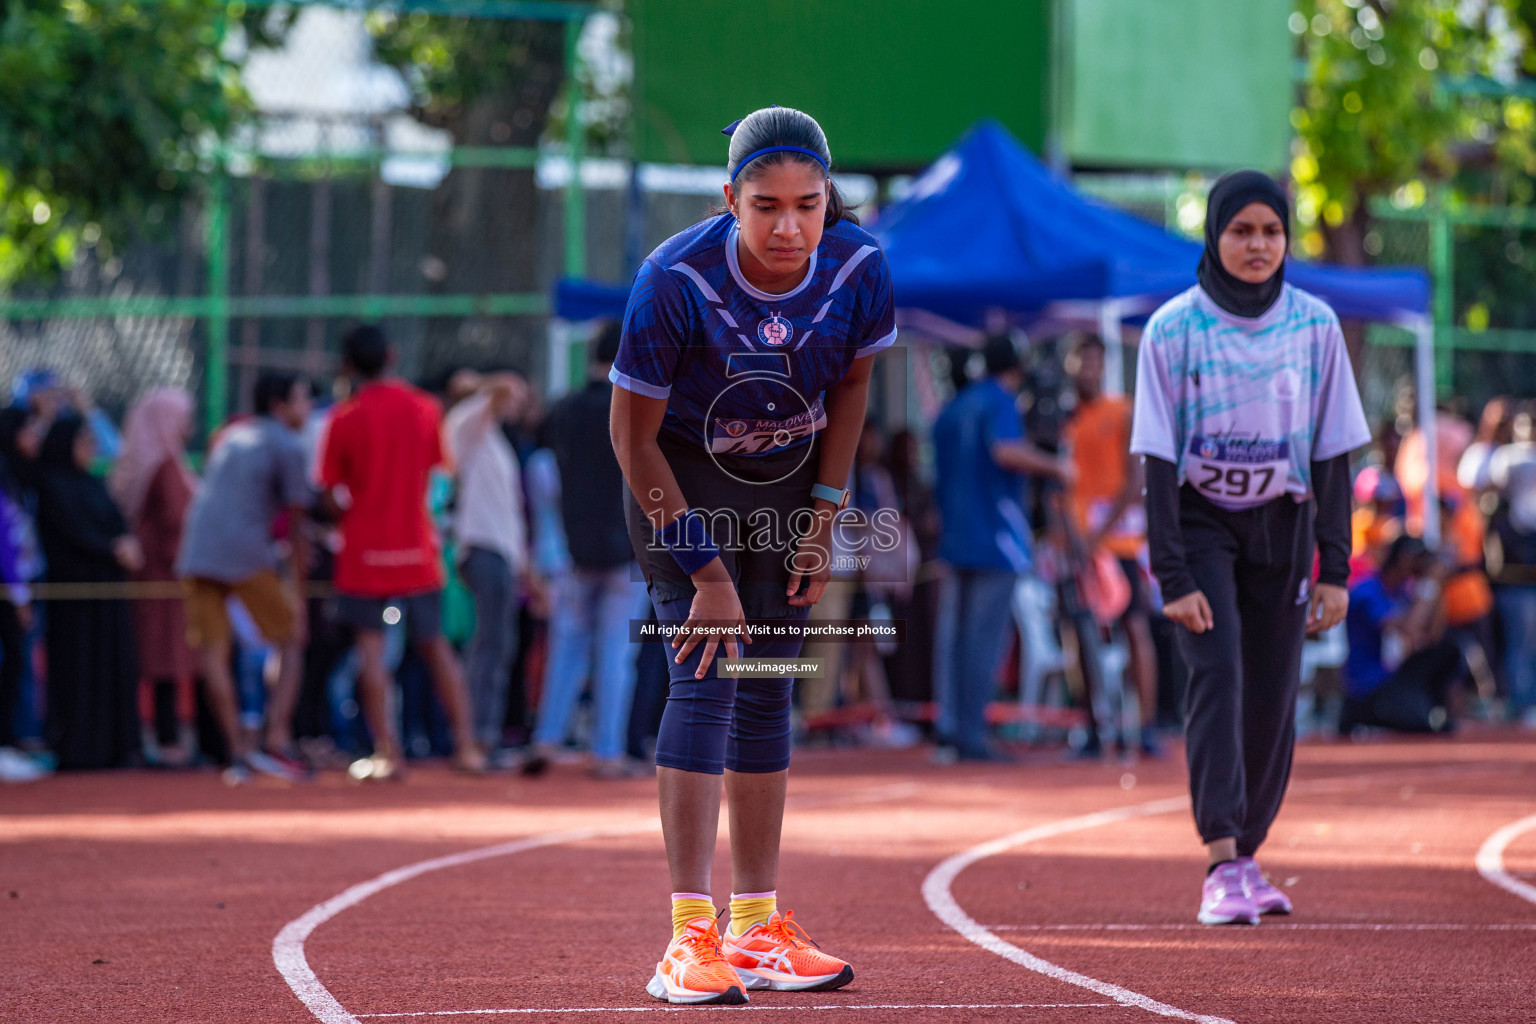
x,y
1246,412
93,719
1259,276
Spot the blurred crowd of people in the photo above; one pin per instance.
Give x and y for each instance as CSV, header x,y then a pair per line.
x,y
1434,633
344,581
352,580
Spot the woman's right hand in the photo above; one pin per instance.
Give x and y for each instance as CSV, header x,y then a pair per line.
x,y
714,618
1192,611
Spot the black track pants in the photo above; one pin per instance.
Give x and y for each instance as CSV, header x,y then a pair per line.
x,y
1254,568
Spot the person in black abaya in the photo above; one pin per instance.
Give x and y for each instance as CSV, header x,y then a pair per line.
x,y
93,719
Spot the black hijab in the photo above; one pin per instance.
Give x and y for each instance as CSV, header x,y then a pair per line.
x,y
1228,196
77,520
58,452
15,468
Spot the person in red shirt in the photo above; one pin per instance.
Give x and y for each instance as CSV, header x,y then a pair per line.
x,y
376,462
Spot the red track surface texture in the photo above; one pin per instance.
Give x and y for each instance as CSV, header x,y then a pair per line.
x,y
1038,893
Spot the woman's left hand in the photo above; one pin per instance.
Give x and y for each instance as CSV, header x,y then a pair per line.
x,y
1330,603
812,562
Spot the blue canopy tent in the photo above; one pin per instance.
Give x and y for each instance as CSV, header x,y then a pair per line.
x,y
988,227
988,230
577,301
580,299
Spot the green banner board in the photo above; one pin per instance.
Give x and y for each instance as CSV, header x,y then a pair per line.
x,y
1177,83
893,82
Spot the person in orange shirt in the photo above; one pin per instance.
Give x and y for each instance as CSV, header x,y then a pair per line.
x,y
1467,595
1107,511
1411,467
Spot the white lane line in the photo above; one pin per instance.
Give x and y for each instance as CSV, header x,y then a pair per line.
x,y
936,891
288,948
1490,859
659,1008
1269,926
936,887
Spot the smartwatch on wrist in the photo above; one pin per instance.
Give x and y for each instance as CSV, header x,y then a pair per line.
x,y
831,494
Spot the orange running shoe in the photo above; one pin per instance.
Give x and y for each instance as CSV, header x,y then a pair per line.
x,y
779,955
693,970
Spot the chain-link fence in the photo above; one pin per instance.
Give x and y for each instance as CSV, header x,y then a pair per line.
x,y
1483,265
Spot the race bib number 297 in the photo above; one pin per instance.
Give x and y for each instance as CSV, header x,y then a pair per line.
x,y
1238,472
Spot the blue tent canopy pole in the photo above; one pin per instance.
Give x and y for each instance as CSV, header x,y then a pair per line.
x,y
1112,331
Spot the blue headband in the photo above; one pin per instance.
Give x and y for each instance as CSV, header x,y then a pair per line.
x,y
779,149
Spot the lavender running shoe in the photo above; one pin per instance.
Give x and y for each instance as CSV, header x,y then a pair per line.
x,y
1266,898
1224,899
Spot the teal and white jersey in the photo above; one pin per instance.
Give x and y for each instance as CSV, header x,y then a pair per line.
x,y
1244,406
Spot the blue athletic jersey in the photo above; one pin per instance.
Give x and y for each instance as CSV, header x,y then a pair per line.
x,y
743,371
1371,605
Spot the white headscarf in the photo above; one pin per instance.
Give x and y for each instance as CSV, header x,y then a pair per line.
x,y
155,432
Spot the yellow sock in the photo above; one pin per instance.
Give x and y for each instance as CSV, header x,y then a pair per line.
x,y
688,905
750,908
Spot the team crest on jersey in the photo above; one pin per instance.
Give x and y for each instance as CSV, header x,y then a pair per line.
x,y
735,427
775,331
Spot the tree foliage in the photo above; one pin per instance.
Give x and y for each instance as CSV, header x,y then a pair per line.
x,y
1385,107
486,82
109,112
458,68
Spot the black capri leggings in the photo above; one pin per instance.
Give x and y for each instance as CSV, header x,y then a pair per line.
x,y
716,723
1255,569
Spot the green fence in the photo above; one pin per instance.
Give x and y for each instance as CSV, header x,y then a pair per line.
x,y
1484,280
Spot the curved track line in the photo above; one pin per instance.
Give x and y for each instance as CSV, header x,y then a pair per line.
x,y
936,887
1490,859
936,891
288,947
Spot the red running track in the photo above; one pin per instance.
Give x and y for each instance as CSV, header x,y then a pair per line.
x,y
1037,892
